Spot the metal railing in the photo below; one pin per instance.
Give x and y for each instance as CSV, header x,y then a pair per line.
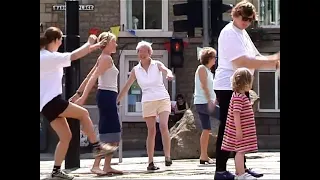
x,y
120,150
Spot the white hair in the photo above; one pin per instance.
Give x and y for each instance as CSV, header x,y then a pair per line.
x,y
144,44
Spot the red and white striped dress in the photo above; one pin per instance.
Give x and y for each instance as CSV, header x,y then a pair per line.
x,y
241,103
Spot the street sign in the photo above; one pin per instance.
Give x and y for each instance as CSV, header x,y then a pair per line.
x,y
83,7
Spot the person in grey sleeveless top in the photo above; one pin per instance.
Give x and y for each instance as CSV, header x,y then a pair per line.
x,y
107,75
205,98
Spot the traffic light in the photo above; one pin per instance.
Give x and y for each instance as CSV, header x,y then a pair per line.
x,y
193,10
176,50
217,10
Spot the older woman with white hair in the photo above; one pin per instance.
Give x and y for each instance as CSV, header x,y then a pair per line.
x,y
155,98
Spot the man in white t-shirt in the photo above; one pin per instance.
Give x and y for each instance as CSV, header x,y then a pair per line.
x,y
235,49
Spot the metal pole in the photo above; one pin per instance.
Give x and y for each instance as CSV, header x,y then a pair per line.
x,y
205,17
121,143
173,87
72,42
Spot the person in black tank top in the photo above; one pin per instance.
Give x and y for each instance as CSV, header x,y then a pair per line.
x,y
180,108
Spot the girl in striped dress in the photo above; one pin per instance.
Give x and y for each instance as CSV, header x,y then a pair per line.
x,y
240,132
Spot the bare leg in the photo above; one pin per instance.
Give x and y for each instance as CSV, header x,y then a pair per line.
x,y
204,140
96,163
80,113
151,124
239,163
107,164
61,127
96,167
164,117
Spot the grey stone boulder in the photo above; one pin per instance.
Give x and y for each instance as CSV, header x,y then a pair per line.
x,y
185,136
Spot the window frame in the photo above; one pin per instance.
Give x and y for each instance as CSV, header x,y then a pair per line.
x,y
277,14
276,109
146,32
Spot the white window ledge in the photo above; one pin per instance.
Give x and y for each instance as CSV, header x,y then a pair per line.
x,y
270,26
146,34
269,110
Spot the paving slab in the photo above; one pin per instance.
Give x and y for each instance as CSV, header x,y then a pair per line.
x,y
135,168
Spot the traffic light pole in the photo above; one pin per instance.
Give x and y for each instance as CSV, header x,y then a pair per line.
x,y
173,86
205,18
72,42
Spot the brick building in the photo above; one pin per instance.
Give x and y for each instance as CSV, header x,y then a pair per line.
x,y
157,27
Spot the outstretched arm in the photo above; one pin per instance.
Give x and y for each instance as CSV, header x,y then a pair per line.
x,y
83,85
238,54
87,48
164,69
126,87
85,81
258,62
104,63
61,60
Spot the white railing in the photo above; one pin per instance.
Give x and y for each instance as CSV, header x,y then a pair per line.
x,y
120,154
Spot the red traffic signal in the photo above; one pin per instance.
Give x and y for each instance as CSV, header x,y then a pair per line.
x,y
177,45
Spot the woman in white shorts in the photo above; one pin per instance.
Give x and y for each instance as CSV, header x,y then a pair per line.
x,y
155,98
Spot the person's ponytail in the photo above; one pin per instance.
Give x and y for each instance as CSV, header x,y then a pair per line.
x,y
43,42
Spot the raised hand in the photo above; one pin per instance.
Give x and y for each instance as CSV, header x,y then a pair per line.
x,y
92,39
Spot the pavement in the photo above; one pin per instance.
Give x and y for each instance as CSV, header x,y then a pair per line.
x,y
135,168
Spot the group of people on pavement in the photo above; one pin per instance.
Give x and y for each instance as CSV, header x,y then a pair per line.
x,y
228,89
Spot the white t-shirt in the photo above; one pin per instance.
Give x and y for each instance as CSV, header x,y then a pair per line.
x,y
51,73
151,82
232,44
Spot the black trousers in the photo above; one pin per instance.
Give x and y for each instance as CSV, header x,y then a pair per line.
x,y
224,97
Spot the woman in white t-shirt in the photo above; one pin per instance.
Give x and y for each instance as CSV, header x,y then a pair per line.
x,y
155,98
235,49
53,107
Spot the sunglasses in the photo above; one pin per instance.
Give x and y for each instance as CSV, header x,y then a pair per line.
x,y
247,19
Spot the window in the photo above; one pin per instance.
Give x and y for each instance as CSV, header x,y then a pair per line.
x,y
269,13
134,93
269,91
148,18
143,14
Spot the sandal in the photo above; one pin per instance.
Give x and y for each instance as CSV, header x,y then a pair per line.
x,y
152,167
98,171
113,171
209,161
168,161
